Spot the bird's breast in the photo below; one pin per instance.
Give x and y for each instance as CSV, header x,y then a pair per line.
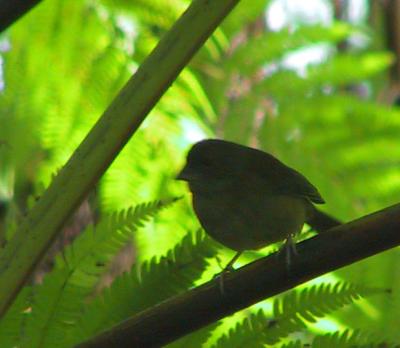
x,y
243,220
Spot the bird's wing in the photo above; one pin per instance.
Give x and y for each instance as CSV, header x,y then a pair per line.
x,y
282,179
298,185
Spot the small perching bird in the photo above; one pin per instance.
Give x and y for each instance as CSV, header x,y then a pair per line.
x,y
245,198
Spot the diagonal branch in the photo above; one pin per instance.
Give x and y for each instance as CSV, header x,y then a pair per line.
x,y
121,119
12,10
183,314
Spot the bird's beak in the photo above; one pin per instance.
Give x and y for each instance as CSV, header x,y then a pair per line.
x,y
184,175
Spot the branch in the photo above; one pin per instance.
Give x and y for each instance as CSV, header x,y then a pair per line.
x,y
121,119
183,314
11,10
392,13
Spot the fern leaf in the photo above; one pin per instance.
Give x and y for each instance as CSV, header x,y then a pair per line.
x,y
196,339
291,313
148,284
108,237
294,344
248,333
349,339
56,305
12,325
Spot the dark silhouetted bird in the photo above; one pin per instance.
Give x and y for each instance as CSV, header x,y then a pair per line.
x,y
245,198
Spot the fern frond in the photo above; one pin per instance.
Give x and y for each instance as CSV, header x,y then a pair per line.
x,y
148,284
243,15
294,344
56,305
339,70
349,339
249,333
12,325
196,339
55,308
108,237
270,46
291,314
292,311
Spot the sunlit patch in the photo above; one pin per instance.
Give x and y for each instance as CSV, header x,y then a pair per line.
x,y
193,133
299,60
282,13
7,180
327,325
368,309
129,28
324,279
358,10
1,74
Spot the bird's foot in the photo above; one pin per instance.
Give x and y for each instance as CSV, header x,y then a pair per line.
x,y
221,279
228,268
289,248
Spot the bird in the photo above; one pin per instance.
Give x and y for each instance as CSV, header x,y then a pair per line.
x,y
245,198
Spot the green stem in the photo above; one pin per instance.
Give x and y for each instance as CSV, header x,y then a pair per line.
x,y
121,119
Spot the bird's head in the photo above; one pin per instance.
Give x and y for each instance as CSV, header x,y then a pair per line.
x,y
212,161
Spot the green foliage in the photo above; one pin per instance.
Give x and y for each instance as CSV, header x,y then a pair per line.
x,y
147,284
349,339
109,236
249,333
58,309
196,339
342,339
292,313
65,62
54,308
318,300
12,324
56,304
272,46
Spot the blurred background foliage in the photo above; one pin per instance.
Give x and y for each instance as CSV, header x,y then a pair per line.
x,y
314,85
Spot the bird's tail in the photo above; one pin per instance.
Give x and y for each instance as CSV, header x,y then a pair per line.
x,y
320,221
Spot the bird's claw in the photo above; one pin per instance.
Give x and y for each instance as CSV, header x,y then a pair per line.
x,y
228,268
289,248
